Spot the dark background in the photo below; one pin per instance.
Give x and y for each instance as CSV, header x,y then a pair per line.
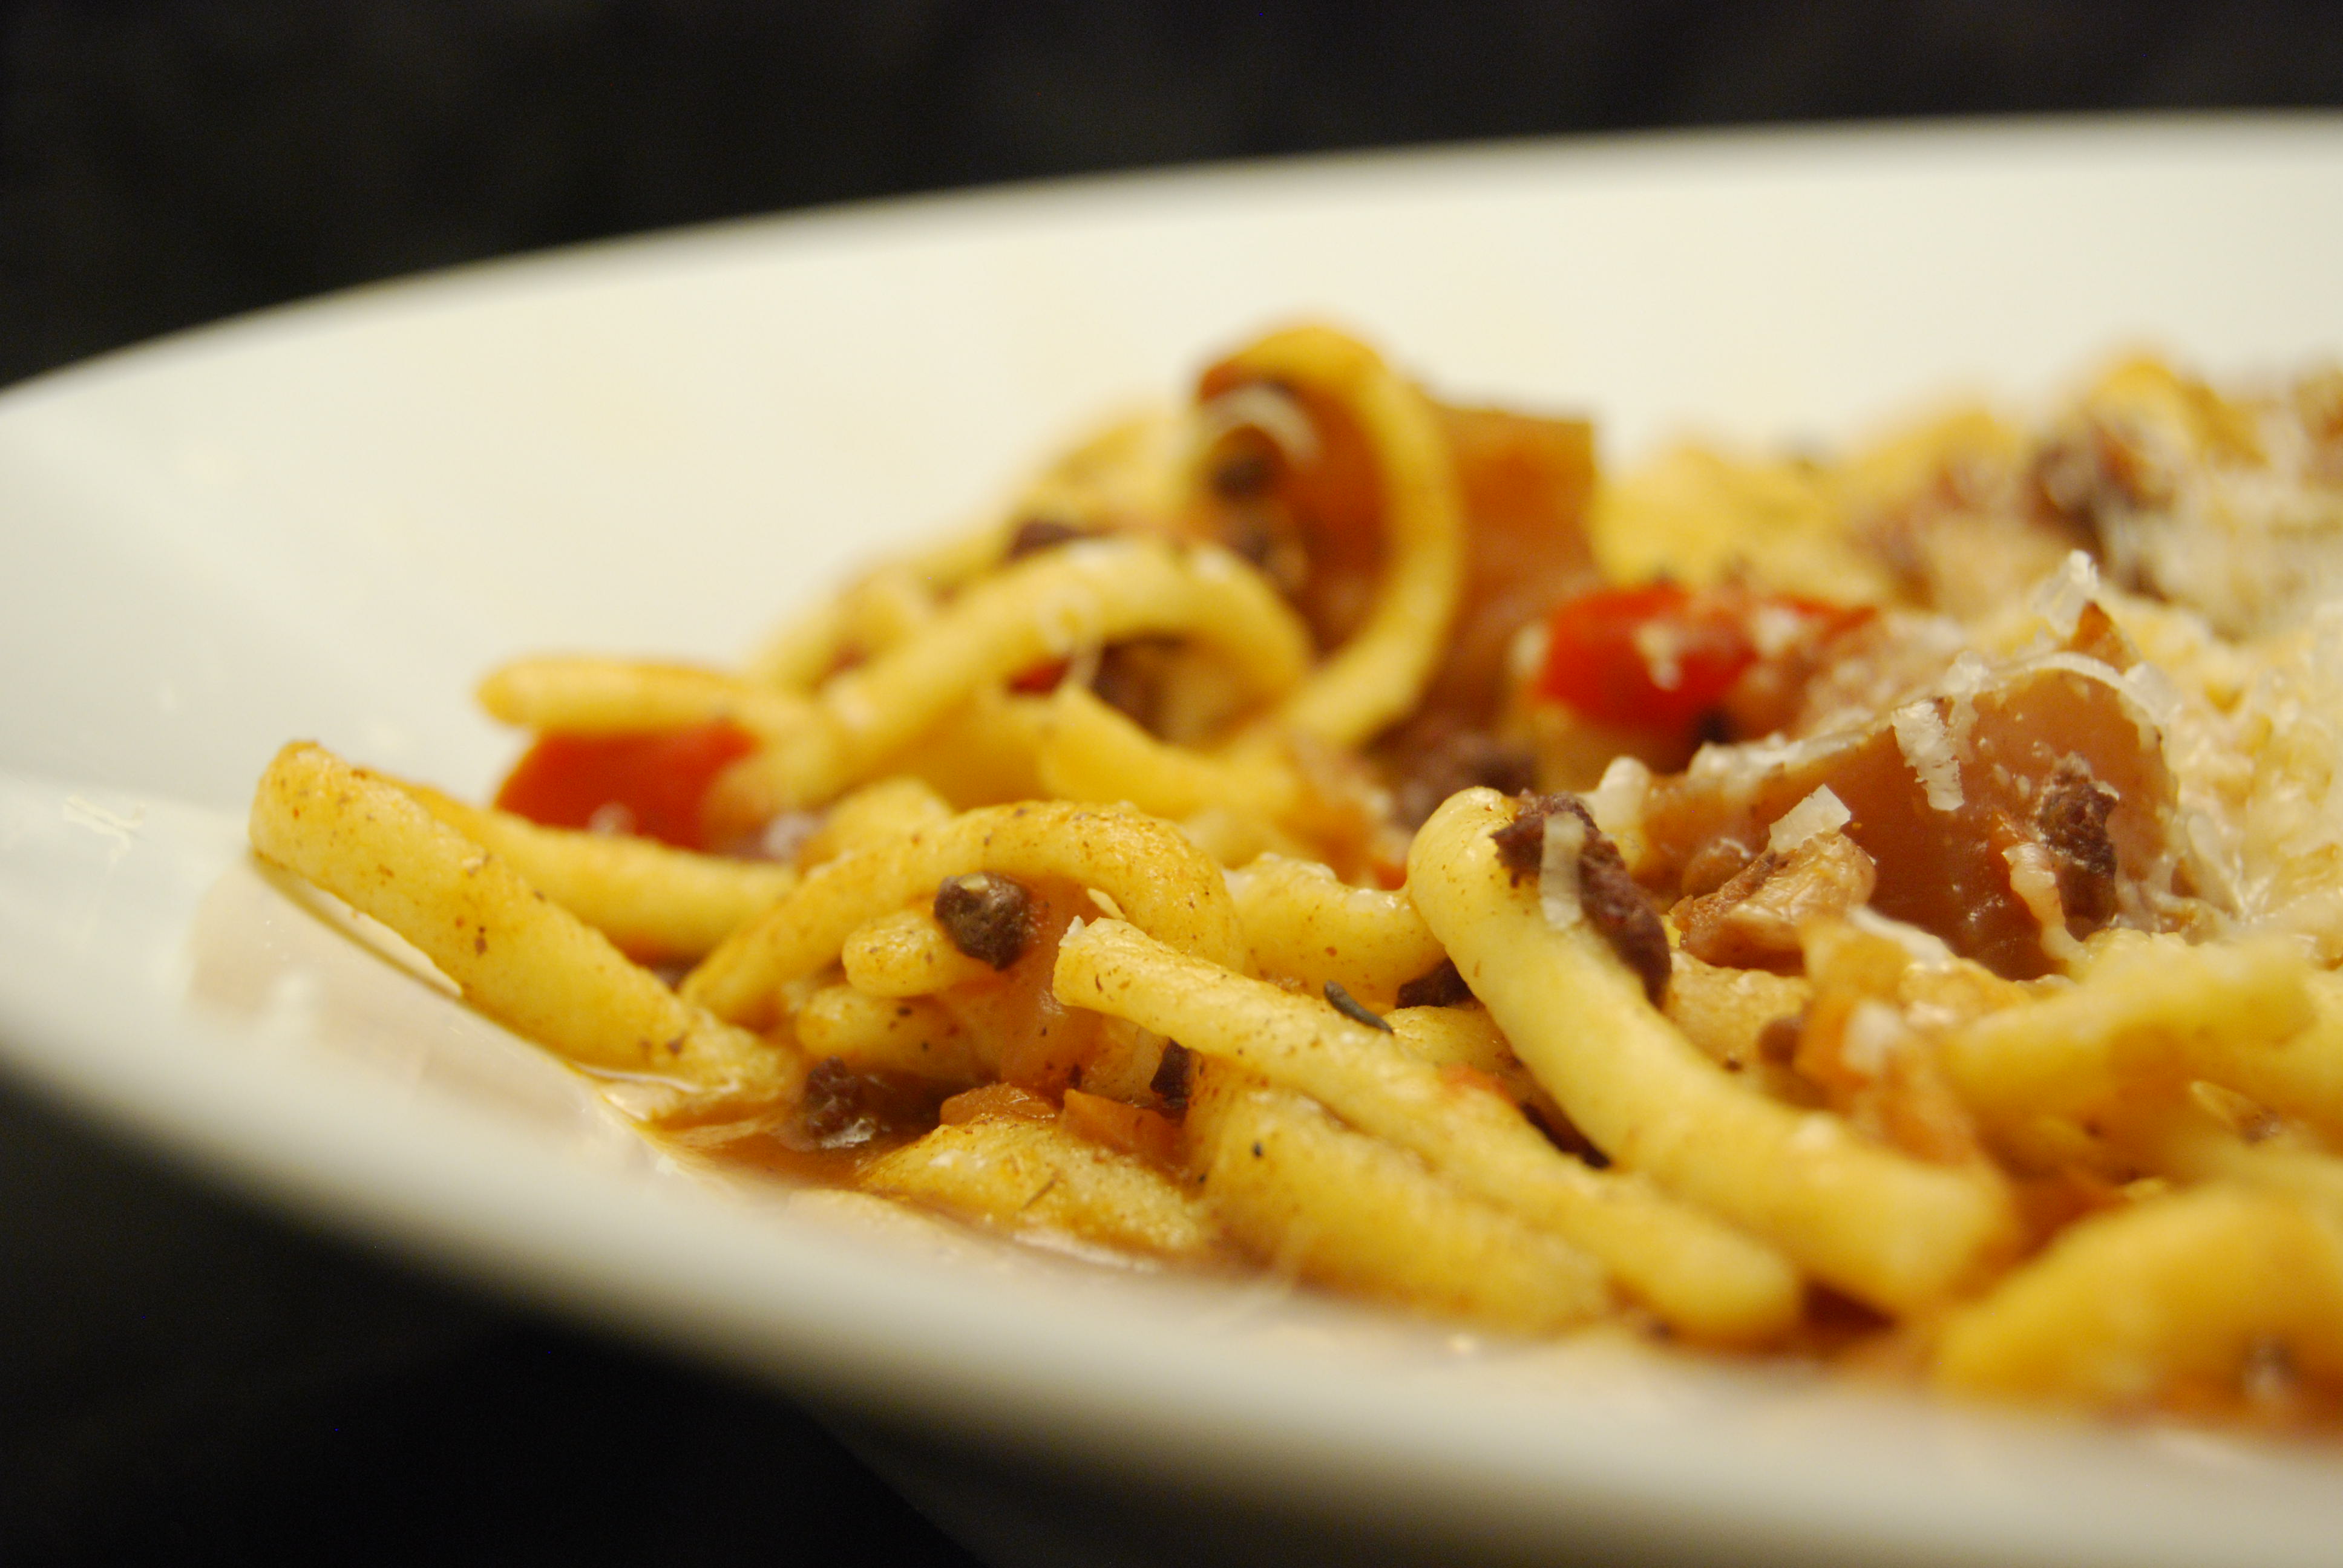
x,y
182,1378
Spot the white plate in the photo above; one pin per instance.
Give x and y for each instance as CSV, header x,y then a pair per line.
x,y
327,521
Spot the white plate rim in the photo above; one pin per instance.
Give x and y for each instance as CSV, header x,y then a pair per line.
x,y
350,1163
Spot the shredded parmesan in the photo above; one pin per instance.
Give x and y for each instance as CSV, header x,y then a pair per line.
x,y
2034,877
1874,1033
1660,645
1618,803
1265,408
1927,749
1775,630
1820,813
1969,677
2154,691
2061,599
1565,840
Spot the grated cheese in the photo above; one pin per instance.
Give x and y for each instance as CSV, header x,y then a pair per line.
x,y
1927,749
1820,813
1565,840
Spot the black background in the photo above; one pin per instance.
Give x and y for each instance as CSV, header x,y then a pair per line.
x,y
185,1378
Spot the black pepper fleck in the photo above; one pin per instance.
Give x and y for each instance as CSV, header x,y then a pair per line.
x,y
1350,1007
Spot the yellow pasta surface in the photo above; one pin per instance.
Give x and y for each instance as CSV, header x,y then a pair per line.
x,y
1888,901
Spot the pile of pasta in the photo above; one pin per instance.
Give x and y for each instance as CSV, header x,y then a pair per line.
x,y
1880,908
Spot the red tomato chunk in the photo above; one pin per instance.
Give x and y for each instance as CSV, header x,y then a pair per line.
x,y
1662,658
652,785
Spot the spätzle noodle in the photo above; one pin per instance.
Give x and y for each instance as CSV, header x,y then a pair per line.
x,y
1695,1273
655,902
516,955
1882,908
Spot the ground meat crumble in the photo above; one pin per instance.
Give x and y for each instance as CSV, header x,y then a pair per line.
x,y
987,917
1607,894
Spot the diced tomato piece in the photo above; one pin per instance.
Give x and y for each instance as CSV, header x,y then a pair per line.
x,y
1653,658
652,785
1661,656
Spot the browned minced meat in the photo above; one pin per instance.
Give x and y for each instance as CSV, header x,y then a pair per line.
x,y
1520,843
833,1097
1246,472
1133,677
1170,1080
1699,915
1778,1038
2073,820
1714,865
843,1108
1619,909
1243,473
987,917
1753,920
1035,534
1607,893
1442,986
1433,770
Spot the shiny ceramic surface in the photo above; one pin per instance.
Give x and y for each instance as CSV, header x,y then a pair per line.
x,y
327,521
